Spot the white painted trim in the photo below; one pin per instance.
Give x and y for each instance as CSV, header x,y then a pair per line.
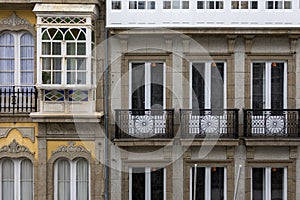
x,y
130,183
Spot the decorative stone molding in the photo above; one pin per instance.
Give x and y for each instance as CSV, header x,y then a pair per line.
x,y
168,153
27,132
187,155
248,43
231,43
70,149
70,128
293,152
14,20
230,152
293,43
250,153
186,45
15,147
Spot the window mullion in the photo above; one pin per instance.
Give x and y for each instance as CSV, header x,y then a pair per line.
x,y
207,183
88,44
268,85
268,183
73,180
148,183
207,82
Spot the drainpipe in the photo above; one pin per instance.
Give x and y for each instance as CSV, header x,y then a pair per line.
x,y
237,182
106,138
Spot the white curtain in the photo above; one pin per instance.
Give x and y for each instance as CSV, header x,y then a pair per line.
x,y
63,180
82,180
27,59
8,180
26,180
7,65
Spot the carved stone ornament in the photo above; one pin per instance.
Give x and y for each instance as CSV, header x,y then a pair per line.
x,y
71,149
14,147
14,20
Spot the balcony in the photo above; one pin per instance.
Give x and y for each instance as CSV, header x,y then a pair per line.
x,y
272,123
209,123
18,100
141,124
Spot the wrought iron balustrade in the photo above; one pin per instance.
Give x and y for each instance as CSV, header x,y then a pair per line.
x,y
208,122
15,100
272,123
144,123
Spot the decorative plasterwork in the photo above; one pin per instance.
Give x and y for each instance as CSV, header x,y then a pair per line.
x,y
70,149
231,43
14,20
27,132
14,147
293,43
78,128
248,43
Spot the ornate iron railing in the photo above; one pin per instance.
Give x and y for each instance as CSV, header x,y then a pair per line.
x,y
272,123
207,122
18,100
144,123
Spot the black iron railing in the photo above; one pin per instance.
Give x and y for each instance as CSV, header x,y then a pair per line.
x,y
15,100
144,123
272,123
209,123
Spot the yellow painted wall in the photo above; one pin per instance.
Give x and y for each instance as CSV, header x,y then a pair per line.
x,y
15,134
54,145
25,14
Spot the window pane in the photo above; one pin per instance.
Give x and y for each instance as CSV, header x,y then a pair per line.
x,y
287,5
71,63
56,48
71,47
185,5
63,180
217,183
167,5
157,85
116,5
200,183
217,86
81,50
277,74
235,5
81,64
258,186
269,4
198,86
46,63
244,4
46,48
258,86
254,5
138,86
8,180
151,5
57,78
138,184
82,180
142,5
277,177
157,184
219,4
81,78
26,180
176,4
200,4
132,5
27,78
71,78
57,63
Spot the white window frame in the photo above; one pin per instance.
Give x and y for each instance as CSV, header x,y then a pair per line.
x,y
17,177
147,83
73,189
17,57
267,180
180,4
267,89
282,3
207,80
147,182
207,192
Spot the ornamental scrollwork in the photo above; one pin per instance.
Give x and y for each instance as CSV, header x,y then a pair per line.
x,y
15,147
14,20
71,149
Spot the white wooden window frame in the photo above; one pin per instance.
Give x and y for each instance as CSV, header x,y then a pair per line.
x,y
267,181
147,83
207,79
73,189
267,89
207,192
147,182
17,177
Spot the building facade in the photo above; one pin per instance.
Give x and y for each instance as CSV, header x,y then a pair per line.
x,y
129,99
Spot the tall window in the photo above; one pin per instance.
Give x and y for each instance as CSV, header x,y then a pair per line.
x,y
208,183
71,179
208,85
16,60
147,183
269,183
147,85
269,85
16,179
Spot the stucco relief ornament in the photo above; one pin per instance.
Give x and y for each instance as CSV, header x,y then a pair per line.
x,y
275,124
71,148
209,124
14,20
144,124
14,147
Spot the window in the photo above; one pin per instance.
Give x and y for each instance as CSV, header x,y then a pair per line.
x,y
176,4
16,60
147,183
210,5
278,4
147,85
269,183
208,183
16,179
269,85
116,5
208,89
71,179
244,5
141,5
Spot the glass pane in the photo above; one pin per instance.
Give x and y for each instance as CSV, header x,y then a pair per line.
x,y
7,78
185,5
277,177
235,5
27,78
200,183
82,180
46,63
81,64
141,5
81,50
167,5
287,5
81,79
157,85
57,63
278,4
138,184
26,180
46,48
138,85
116,5
63,180
200,4
8,180
217,86
46,77
132,5
56,48
71,63
258,86
57,78
151,5
244,4
277,74
71,47
198,86
157,184
176,4
254,5
258,183
71,77
58,36
217,183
